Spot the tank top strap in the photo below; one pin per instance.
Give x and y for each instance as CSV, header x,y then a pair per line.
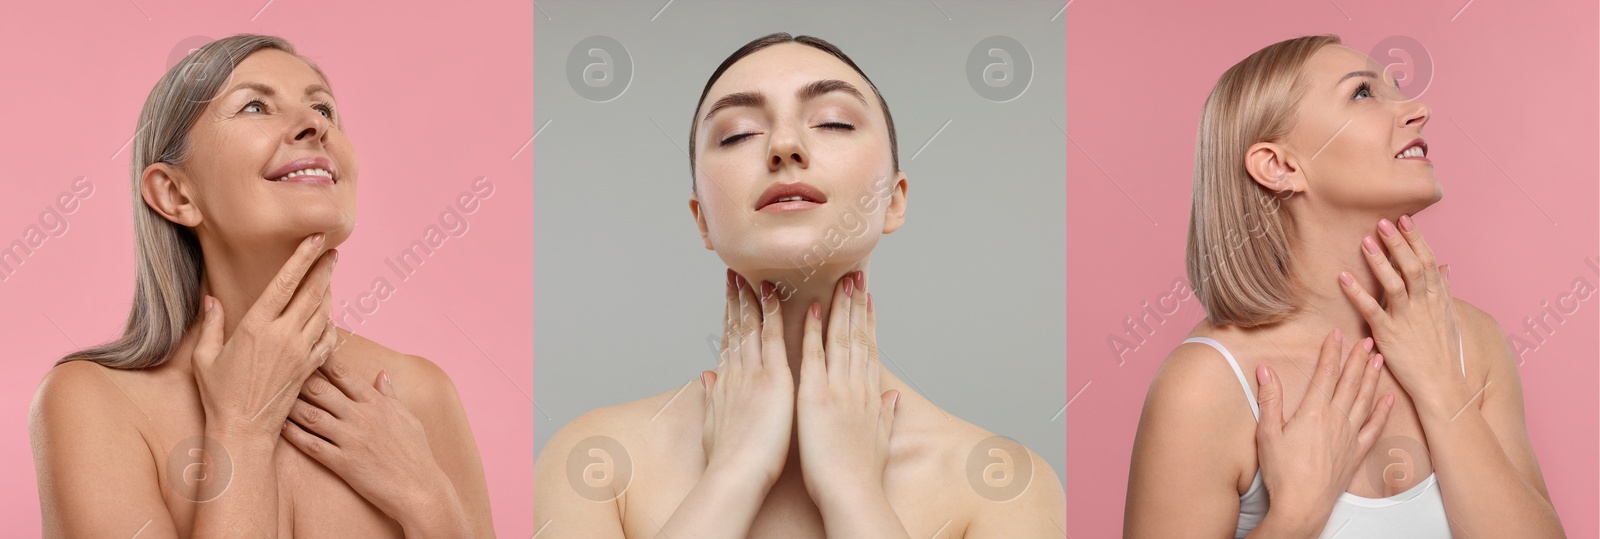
x,y
1243,382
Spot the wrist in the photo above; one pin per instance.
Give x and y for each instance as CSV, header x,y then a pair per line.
x,y
1283,521
434,512
841,499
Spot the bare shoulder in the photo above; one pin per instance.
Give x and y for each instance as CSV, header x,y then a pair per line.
x,y
1013,491
418,381
1483,341
78,392
649,423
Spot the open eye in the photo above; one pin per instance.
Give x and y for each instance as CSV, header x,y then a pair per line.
x,y
325,109
1365,90
254,104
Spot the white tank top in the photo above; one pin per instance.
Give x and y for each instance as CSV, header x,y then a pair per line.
x,y
1417,513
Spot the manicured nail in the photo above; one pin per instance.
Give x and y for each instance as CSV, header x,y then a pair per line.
x,y
1344,277
1369,245
849,286
1405,223
317,239
816,310
1263,374
730,278
861,280
1389,400
1367,344
285,425
1338,334
1385,228
1377,361
766,290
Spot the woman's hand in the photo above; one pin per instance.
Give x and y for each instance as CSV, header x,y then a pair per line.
x,y
247,383
1307,461
1416,330
844,420
750,396
366,436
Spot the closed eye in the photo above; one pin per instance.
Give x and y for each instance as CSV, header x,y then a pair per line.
x,y
734,139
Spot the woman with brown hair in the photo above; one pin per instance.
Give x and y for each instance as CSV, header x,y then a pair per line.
x,y
231,404
1308,159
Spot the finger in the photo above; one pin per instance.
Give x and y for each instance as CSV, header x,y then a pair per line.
x,y
1364,303
1430,264
317,448
1404,257
1270,399
1370,373
749,326
1374,426
773,352
890,400
343,376
837,347
316,420
874,371
813,362
859,340
728,352
210,330
1326,375
287,281
319,317
1394,286
313,290
322,349
385,385
708,380
1350,375
318,391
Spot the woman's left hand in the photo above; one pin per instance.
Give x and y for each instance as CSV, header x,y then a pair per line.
x,y
1416,331
843,420
368,437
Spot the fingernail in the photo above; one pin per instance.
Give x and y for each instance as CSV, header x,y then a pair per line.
x,y
869,302
1338,334
1367,343
816,310
1377,361
386,381
730,278
1369,245
1389,400
207,302
896,403
1344,277
1263,374
1405,223
316,239
849,286
286,425
766,291
1385,227
861,280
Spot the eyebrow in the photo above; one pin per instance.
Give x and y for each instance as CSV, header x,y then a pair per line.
x,y
805,93
315,88
1363,74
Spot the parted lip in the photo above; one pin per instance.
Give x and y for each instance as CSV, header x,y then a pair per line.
x,y
781,190
1414,142
302,164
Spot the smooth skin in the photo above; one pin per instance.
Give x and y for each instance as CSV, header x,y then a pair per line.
x,y
102,437
789,436
1198,447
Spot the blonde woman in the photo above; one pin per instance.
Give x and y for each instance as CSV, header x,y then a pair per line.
x,y
1309,169
791,435
231,405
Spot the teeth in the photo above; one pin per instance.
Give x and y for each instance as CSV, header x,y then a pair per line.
x,y
307,172
1414,151
787,199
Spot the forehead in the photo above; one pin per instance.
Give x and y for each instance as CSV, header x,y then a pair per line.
x,y
777,71
274,67
1330,63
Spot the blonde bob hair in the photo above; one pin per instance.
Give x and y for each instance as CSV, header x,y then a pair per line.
x,y
1238,259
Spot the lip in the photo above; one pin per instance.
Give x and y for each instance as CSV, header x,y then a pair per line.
x,y
813,197
1414,142
302,164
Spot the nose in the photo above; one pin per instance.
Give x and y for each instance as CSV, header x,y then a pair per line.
x,y
311,125
786,145
1418,114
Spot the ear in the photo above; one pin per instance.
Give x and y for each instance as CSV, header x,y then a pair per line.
x,y
896,214
163,191
700,220
1269,165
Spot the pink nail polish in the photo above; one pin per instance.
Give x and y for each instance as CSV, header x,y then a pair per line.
x,y
1377,361
1369,245
730,278
1405,223
766,290
1367,344
849,287
1338,334
1385,227
1344,277
816,310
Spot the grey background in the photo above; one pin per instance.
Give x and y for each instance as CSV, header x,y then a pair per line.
x,y
970,291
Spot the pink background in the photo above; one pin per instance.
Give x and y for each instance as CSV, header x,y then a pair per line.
x,y
433,97
1519,79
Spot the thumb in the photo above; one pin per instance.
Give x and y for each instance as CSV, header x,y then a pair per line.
x,y
384,384
891,401
1270,399
210,330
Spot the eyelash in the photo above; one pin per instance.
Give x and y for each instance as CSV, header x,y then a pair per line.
x,y
319,106
831,125
1365,87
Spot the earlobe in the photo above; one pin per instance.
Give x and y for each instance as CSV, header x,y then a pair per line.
x,y
700,221
895,215
164,194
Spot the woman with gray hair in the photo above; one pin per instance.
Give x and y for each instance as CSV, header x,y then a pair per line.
x,y
231,404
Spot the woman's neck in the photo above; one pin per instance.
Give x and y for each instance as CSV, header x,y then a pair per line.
x,y
238,278
1323,247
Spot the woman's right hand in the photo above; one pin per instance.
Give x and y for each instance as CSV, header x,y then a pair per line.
x,y
1308,460
248,383
750,396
